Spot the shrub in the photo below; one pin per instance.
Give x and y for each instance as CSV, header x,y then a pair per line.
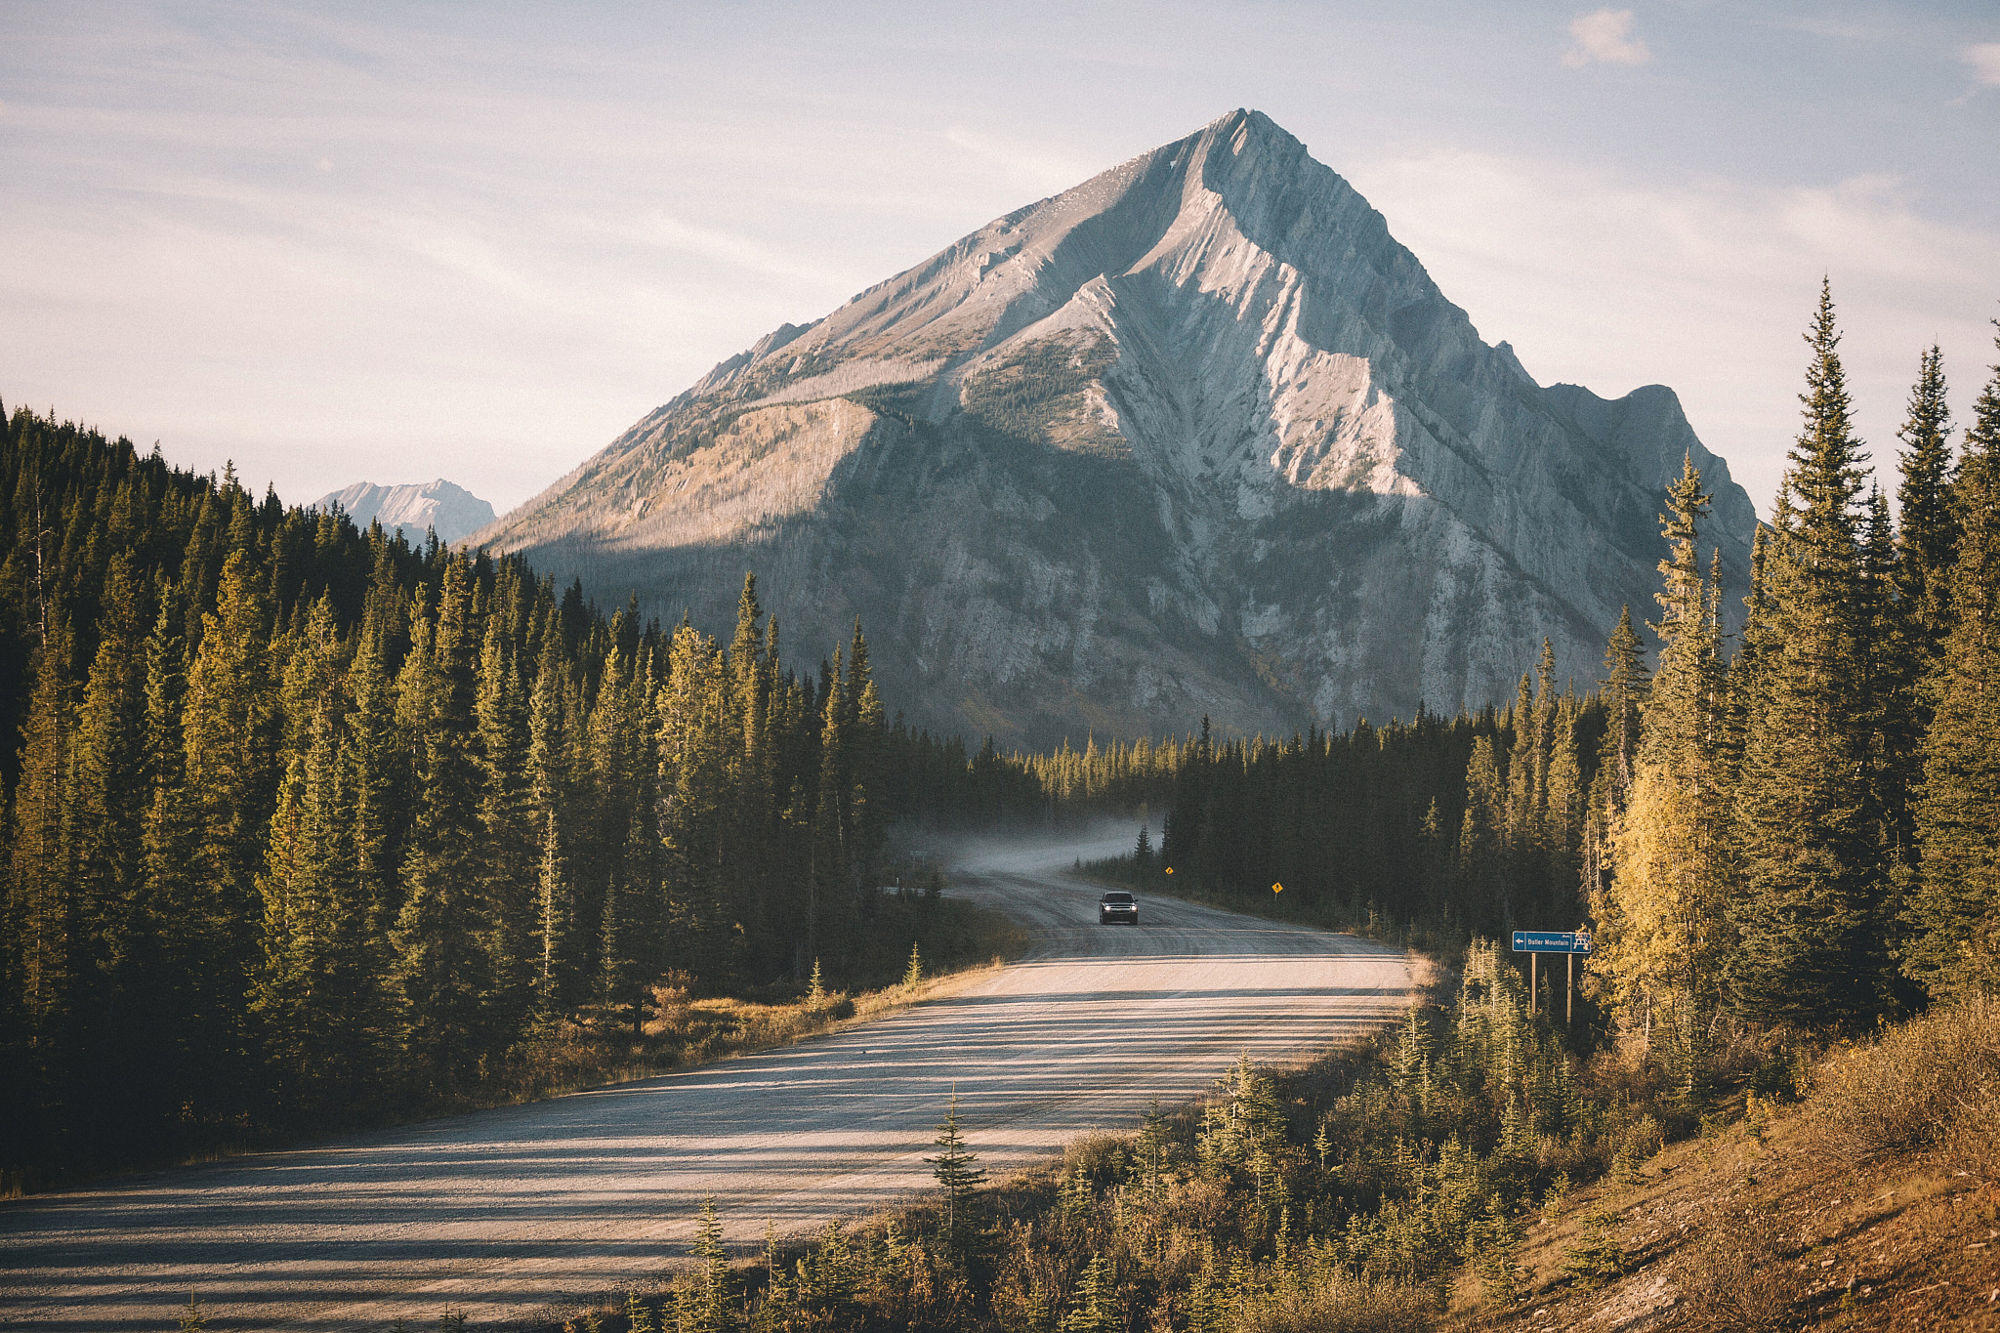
x,y
1972,1139
1597,1257
1908,1090
1338,1304
1735,1279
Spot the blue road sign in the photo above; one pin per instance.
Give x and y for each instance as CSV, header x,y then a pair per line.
x,y
1552,941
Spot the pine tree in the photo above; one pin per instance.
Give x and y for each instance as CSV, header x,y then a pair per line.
x,y
1496,1241
1483,886
1809,918
1956,910
45,917
553,909
626,772
832,865
1663,926
441,969
1096,1308
314,964
507,834
376,774
958,1173
167,1025
705,1304
1927,541
110,775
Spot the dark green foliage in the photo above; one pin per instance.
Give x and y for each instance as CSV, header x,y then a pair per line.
x,y
958,1172
1811,941
1474,824
307,825
1927,541
1955,913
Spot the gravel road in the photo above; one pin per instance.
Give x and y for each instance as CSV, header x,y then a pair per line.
x,y
517,1212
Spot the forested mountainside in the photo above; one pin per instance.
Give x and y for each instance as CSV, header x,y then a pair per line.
x,y
1781,851
1805,833
303,817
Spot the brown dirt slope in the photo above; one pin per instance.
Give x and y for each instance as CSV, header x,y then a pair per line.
x,y
1760,1226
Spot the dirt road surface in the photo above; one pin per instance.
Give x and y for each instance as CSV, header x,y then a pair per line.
x,y
517,1213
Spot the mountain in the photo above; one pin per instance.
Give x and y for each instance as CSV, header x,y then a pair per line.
x,y
1196,437
454,512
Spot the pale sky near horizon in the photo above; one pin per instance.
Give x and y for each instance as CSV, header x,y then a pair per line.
x,y
393,242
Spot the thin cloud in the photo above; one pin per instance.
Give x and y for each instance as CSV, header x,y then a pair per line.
x,y
1984,57
1604,37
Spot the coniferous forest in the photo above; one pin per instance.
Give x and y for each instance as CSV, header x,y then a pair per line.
x,y
303,819
1775,845
306,822
1798,828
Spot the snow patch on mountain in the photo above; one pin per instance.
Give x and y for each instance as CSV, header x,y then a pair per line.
x,y
414,509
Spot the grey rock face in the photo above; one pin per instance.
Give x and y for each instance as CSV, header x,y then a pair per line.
x,y
1195,437
453,511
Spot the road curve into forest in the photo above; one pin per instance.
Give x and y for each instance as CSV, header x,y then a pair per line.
x,y
522,1211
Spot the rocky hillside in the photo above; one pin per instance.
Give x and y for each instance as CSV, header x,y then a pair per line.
x,y
452,511
1194,437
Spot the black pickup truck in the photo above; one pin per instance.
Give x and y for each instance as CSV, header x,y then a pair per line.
x,y
1117,905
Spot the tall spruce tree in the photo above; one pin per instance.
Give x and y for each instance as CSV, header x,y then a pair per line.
x,y
1955,913
1622,695
230,734
1664,927
1928,532
507,836
441,972
1810,928
304,990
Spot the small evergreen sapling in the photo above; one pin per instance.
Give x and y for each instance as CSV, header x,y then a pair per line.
x,y
1096,1309
957,1169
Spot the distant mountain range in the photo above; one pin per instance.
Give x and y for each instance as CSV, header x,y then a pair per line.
x,y
454,512
1196,437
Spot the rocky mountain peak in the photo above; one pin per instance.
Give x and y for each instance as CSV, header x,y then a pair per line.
x,y
413,508
1195,436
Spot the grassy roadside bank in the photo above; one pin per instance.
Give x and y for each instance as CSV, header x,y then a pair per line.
x,y
1870,1200
1352,1189
957,943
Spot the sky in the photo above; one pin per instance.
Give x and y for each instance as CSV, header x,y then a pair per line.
x,y
392,242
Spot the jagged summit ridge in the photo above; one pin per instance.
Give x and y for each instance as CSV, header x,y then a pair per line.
x,y
1197,435
413,508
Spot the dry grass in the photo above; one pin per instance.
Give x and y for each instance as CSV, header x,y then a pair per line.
x,y
1930,1082
1342,1305
681,1033
1734,1281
